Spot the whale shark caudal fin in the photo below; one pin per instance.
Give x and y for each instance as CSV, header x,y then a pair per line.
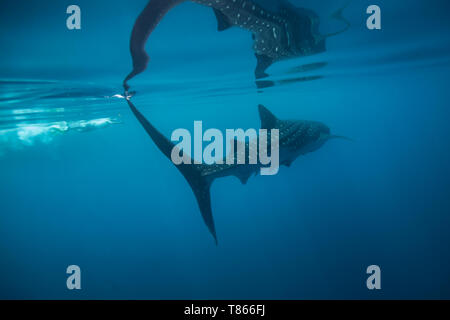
x,y
268,120
145,24
194,174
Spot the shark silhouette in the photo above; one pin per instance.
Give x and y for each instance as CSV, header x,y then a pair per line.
x,y
277,34
295,138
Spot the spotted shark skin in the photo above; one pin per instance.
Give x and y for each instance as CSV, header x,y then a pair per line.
x,y
274,33
296,138
286,33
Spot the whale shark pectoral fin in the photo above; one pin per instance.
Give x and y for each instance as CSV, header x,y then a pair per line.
x,y
223,23
268,120
263,62
244,180
287,163
244,176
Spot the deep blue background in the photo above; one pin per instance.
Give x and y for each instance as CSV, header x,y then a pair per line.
x,y
108,201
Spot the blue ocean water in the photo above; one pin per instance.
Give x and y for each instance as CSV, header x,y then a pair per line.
x,y
81,183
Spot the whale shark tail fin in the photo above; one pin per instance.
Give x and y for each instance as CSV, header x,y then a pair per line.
x,y
203,197
145,23
194,174
201,188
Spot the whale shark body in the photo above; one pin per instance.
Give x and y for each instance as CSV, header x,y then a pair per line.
x,y
278,34
295,138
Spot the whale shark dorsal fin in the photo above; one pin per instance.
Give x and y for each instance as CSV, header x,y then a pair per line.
x,y
223,23
268,120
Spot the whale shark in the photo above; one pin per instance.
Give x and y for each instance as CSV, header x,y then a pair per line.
x,y
278,34
296,138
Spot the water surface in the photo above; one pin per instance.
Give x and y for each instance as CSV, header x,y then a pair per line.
x,y
81,183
